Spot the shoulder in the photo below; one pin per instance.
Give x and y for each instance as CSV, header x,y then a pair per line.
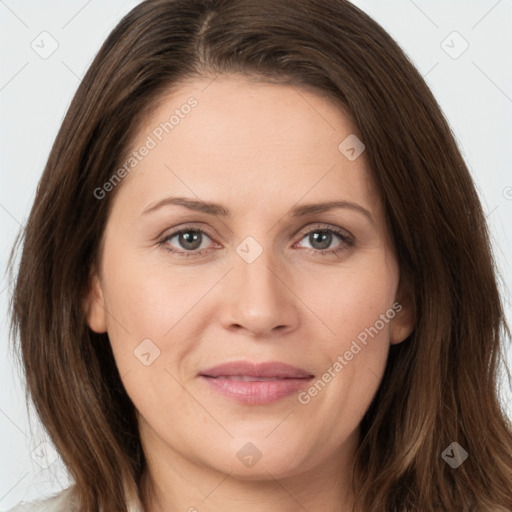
x,y
59,502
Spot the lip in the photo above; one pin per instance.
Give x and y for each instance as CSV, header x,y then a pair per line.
x,y
256,383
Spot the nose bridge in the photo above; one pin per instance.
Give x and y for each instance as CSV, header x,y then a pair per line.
x,y
261,300
258,271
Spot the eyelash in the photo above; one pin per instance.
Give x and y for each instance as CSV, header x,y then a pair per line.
x,y
346,241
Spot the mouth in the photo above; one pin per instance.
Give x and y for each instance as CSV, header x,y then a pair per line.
x,y
256,384
267,370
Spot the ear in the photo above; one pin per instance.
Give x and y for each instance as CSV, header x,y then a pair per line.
x,y
94,305
402,323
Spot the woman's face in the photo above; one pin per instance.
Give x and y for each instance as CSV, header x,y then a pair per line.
x,y
257,278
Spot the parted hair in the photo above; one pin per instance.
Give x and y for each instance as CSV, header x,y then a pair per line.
x,y
441,385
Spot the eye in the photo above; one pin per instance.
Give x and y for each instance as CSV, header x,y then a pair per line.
x,y
189,241
321,238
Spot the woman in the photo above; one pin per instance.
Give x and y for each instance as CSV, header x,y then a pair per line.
x,y
183,347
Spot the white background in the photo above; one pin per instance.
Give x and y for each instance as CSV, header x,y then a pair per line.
x,y
474,91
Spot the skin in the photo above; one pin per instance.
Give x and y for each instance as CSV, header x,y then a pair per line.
x,y
259,150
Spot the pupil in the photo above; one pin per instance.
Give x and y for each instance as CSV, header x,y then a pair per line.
x,y
190,241
325,236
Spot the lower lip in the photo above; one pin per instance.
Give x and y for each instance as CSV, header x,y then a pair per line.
x,y
257,392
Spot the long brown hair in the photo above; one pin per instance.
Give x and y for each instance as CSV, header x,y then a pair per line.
x,y
440,385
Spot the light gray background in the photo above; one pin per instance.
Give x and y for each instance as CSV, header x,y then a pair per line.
x,y
474,91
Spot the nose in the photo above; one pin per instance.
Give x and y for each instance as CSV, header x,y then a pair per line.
x,y
259,298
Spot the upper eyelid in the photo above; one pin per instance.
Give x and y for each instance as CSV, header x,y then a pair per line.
x,y
323,226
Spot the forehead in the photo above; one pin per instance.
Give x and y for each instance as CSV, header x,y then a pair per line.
x,y
250,141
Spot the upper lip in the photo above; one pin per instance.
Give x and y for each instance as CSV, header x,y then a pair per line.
x,y
246,368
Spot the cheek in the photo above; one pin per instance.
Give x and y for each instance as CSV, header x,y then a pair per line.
x,y
357,308
142,304
153,309
352,300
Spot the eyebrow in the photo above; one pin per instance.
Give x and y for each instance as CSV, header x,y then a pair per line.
x,y
217,209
